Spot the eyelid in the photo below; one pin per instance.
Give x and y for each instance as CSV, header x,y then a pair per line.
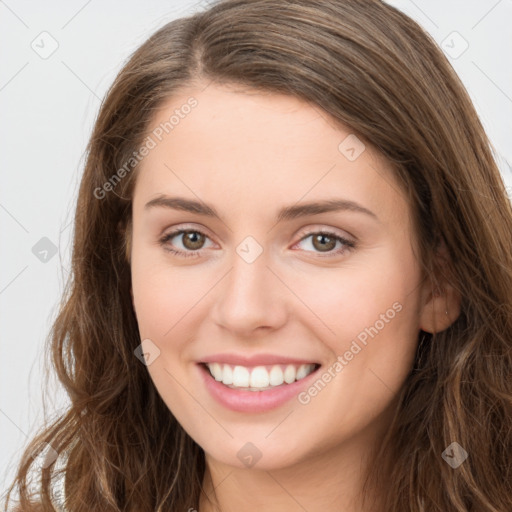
x,y
349,242
186,227
303,232
347,245
180,230
318,228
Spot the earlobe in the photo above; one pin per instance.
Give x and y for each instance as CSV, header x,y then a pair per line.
x,y
441,310
441,306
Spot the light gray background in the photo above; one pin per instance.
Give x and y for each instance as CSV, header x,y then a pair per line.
x,y
47,109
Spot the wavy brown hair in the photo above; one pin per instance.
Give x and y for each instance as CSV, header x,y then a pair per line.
x,y
369,67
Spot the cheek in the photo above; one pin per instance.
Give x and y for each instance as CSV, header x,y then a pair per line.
x,y
378,293
164,300
164,296
370,317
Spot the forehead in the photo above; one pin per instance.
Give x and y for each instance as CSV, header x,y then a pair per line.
x,y
240,147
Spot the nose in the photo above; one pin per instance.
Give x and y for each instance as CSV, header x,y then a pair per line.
x,y
251,298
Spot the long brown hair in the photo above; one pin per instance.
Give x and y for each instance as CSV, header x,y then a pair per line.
x,y
373,69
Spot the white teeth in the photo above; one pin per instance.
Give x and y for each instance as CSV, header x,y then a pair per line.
x,y
276,376
302,372
216,371
227,374
240,377
289,374
258,378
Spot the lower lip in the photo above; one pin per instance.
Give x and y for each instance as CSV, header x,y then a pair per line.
x,y
253,401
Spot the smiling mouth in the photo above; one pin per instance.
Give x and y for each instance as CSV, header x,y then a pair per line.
x,y
259,378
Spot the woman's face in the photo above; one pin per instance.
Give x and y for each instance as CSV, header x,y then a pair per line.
x,y
255,288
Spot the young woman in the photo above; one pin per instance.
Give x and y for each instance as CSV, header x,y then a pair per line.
x,y
292,278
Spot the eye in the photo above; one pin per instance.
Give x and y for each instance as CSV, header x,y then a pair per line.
x,y
325,241
192,241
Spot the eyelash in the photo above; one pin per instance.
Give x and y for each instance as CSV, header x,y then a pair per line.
x,y
348,245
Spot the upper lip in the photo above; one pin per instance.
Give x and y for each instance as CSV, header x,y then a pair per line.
x,y
254,360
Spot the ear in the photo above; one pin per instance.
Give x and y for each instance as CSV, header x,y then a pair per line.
x,y
441,302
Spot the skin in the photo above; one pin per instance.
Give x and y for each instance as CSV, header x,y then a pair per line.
x,y
248,154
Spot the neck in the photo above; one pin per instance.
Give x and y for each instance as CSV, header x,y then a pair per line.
x,y
327,480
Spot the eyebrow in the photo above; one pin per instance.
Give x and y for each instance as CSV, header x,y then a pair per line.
x,y
286,213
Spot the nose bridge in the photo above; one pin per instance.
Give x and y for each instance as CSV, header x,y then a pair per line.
x,y
249,296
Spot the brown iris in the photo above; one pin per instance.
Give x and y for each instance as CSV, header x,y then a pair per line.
x,y
322,246
193,240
